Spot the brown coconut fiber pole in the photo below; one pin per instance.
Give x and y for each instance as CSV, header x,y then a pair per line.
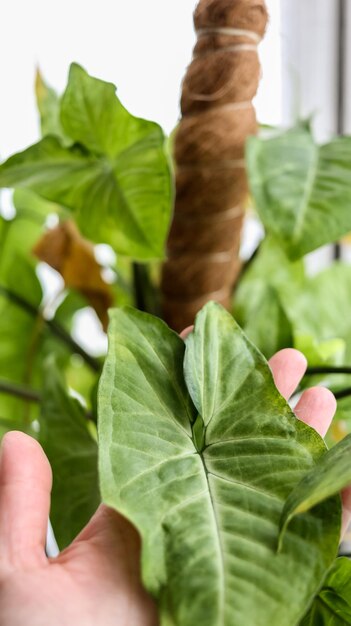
x,y
211,186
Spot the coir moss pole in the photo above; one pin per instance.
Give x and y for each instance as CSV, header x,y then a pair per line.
x,y
211,186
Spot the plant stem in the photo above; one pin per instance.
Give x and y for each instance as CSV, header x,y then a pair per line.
x,y
55,328
344,393
247,264
144,292
20,391
139,282
30,395
62,334
328,369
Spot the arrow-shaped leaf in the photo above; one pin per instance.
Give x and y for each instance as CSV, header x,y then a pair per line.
x,y
117,181
48,103
205,483
301,190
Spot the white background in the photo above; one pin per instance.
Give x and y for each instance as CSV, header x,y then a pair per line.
x,y
142,47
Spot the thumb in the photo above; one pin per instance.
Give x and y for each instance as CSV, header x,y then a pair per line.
x,y
25,486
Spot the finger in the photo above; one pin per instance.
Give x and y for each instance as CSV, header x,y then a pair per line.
x,y
112,531
25,486
288,368
316,408
186,332
119,548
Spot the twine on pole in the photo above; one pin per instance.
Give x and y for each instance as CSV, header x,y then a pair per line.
x,y
211,186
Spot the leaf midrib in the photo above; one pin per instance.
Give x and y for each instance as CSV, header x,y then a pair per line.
x,y
113,177
176,387
302,209
218,529
219,542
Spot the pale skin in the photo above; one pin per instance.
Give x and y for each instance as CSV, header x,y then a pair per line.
x,y
96,581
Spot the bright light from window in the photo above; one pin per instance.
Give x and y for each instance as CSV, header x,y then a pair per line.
x,y
145,57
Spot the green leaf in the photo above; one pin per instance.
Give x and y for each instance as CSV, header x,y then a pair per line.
x,y
72,452
318,313
268,327
317,306
78,374
45,167
117,181
72,303
332,607
301,190
19,328
25,339
257,302
17,237
16,333
320,352
30,206
93,116
207,497
155,416
329,477
7,424
48,103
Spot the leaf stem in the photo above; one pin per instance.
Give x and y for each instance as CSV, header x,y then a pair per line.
x,y
144,292
62,334
328,369
247,264
30,395
344,393
20,391
54,327
139,281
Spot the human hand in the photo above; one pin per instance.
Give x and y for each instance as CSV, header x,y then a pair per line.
x,y
96,581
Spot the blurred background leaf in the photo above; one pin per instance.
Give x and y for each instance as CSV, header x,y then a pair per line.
x,y
116,178
67,438
301,190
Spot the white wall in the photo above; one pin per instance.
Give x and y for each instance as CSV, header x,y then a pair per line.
x,y
143,47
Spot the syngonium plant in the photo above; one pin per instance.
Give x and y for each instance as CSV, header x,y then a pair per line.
x,y
235,499
233,496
